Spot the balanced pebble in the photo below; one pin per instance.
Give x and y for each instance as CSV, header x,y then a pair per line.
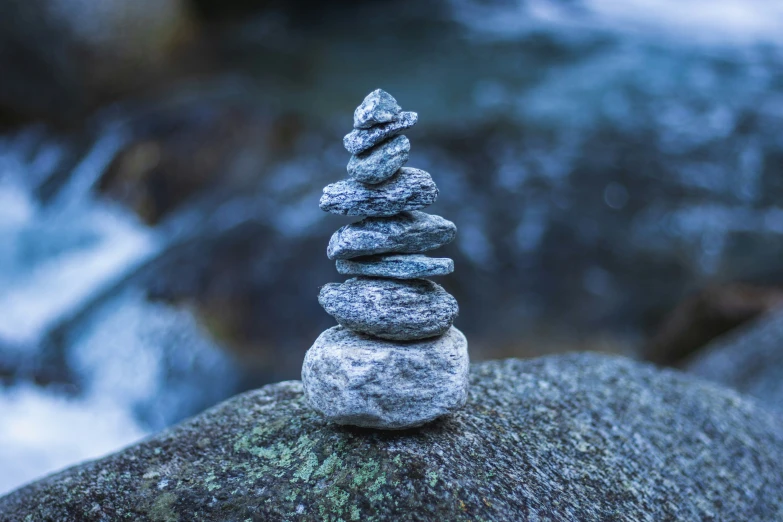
x,y
406,233
359,140
390,309
380,163
378,107
396,266
409,189
352,378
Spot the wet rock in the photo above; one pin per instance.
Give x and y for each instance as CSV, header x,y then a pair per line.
x,y
409,189
576,437
378,107
359,140
360,380
61,59
389,309
406,233
748,359
401,266
706,315
380,163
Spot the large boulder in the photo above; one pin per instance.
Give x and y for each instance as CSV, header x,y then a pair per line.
x,y
749,359
576,437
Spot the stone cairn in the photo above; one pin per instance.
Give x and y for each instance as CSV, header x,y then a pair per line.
x,y
395,361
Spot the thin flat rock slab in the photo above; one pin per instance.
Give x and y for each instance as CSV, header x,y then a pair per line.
x,y
359,140
378,107
396,266
380,163
406,233
355,379
409,189
390,309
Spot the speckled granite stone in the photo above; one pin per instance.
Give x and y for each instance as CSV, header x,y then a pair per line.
x,y
390,309
577,437
408,189
380,163
377,107
406,233
359,140
360,380
396,266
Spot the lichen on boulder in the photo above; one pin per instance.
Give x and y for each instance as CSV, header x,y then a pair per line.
x,y
577,437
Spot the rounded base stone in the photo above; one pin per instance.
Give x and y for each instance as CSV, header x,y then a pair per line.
x,y
352,378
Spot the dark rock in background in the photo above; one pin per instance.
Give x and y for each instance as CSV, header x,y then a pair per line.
x,y
582,437
62,59
706,315
748,359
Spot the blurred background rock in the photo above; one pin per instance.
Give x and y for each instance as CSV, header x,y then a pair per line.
x,y
615,170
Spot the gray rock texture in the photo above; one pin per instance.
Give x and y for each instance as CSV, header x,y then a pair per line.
x,y
359,380
380,163
396,266
378,107
390,309
359,140
749,359
577,437
408,189
406,233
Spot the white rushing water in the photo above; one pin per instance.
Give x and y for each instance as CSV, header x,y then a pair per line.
x,y
54,258
711,22
57,256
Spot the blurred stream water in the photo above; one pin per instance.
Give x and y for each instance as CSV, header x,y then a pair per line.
x,y
600,158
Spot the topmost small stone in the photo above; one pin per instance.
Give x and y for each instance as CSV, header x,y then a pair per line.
x,y
378,107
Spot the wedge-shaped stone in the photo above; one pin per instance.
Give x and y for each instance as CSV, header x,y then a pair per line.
x,y
380,163
378,107
390,309
406,233
409,189
359,140
356,379
396,266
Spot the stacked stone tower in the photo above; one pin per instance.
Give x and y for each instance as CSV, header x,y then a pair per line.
x,y
395,361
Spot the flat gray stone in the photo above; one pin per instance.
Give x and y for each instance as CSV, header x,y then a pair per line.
x,y
408,189
359,140
378,107
583,437
396,266
380,163
406,233
390,309
355,379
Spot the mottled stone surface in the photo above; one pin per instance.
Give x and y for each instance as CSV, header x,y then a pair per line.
x,y
359,140
749,359
406,233
355,379
380,163
378,107
390,309
396,266
578,437
408,189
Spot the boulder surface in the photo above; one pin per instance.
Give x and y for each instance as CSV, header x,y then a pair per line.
x,y
577,437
